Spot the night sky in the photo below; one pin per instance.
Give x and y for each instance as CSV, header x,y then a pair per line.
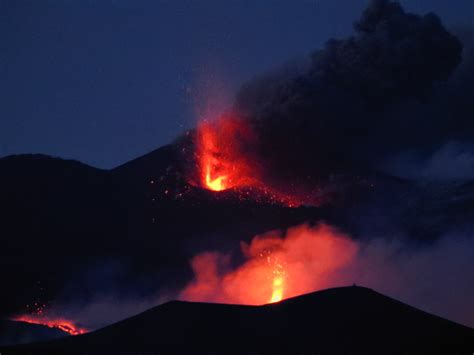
x,y
107,81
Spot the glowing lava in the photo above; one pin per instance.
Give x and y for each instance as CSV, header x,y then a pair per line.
x,y
278,284
277,294
277,265
216,184
278,275
61,324
222,162
226,157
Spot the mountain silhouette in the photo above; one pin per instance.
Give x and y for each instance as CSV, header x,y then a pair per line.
x,y
64,220
13,332
347,320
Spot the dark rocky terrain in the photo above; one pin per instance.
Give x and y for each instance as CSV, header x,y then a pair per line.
x,y
62,219
349,320
13,332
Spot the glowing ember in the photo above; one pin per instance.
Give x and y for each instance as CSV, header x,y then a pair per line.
x,y
278,265
62,324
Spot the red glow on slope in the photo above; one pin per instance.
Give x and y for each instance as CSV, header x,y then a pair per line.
x,y
278,265
61,324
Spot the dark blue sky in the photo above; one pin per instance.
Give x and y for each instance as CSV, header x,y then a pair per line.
x,y
107,81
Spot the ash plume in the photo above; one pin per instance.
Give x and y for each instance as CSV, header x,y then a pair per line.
x,y
338,113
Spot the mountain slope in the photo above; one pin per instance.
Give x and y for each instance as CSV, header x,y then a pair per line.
x,y
349,320
55,216
64,221
13,332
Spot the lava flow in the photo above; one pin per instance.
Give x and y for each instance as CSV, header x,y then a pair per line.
x,y
61,324
277,266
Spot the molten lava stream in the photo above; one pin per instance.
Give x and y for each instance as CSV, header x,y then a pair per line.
x,y
61,324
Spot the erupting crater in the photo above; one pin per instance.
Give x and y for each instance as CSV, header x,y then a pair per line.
x,y
226,158
222,161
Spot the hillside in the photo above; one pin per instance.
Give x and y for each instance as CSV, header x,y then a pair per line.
x,y
345,320
12,332
62,219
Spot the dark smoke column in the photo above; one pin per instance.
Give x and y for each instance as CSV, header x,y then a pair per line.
x,y
327,118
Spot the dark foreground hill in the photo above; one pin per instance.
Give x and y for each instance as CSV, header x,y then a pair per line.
x,y
349,320
13,332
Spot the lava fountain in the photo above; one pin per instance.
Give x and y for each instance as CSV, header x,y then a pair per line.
x,y
278,283
222,159
226,158
277,265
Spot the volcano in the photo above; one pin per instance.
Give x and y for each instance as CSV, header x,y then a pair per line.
x,y
156,221
353,164
353,320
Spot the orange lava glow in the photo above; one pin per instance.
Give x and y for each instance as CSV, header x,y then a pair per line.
x,y
61,324
278,288
222,163
277,265
226,159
